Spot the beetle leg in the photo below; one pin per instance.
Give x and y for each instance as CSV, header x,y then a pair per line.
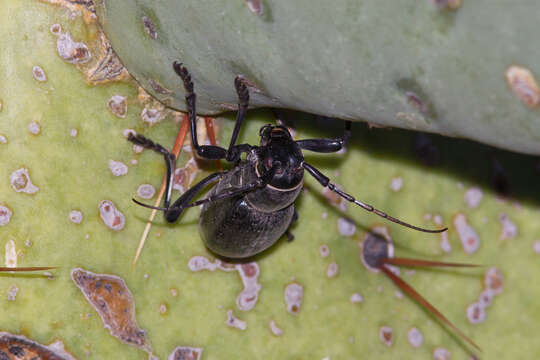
x,y
290,236
260,183
327,145
213,152
173,213
325,181
233,153
170,161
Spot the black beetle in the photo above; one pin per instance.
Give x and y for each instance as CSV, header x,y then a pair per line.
x,y
252,205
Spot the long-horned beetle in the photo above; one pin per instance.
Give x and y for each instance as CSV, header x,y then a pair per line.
x,y
252,205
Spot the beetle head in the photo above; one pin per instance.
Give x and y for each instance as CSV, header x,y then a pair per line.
x,y
278,149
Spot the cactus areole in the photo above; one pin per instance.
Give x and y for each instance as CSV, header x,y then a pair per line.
x,y
414,64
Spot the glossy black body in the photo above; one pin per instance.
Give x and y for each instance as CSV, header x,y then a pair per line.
x,y
245,225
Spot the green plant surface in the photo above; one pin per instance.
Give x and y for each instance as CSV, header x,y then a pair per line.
x,y
72,173
408,64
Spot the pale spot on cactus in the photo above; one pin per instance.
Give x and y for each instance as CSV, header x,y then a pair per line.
x,y
174,292
493,280
275,329
111,216
356,298
332,270
11,254
22,348
39,74
5,215
467,235
3,139
56,29
137,149
184,176
233,321
441,354
473,196
73,132
294,294
386,335
127,132
486,298
509,229
522,82
149,27
415,337
255,6
476,313
20,181
185,353
396,184
536,244
117,104
249,273
324,250
111,298
118,168
146,191
76,216
71,51
12,293
163,309
346,227
448,4
151,116
445,244
34,128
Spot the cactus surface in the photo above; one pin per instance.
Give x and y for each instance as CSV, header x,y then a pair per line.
x,y
460,68
63,119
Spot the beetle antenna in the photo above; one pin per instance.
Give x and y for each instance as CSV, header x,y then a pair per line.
x,y
150,206
423,263
325,181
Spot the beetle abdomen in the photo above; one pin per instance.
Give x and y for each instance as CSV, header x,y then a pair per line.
x,y
234,229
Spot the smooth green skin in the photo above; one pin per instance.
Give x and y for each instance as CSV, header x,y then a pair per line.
x,y
349,59
72,173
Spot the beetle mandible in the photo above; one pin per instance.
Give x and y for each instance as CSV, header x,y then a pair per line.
x,y
252,205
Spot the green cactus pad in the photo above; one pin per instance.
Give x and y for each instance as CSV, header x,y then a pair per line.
x,y
408,64
81,130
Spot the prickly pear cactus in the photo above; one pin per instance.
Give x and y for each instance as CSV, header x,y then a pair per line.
x,y
68,174
455,67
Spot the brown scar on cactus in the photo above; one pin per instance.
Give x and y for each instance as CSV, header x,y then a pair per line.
x,y
18,347
375,251
97,60
111,298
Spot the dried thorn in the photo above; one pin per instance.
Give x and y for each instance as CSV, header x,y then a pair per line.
x,y
31,268
424,303
176,151
425,263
